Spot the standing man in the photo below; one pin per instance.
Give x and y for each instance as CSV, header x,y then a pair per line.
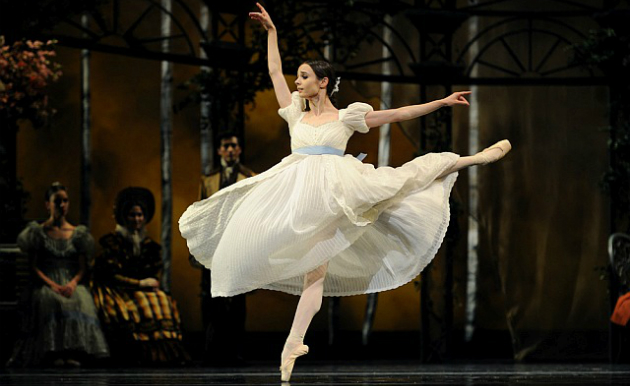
x,y
223,317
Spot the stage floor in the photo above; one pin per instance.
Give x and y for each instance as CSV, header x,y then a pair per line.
x,y
370,373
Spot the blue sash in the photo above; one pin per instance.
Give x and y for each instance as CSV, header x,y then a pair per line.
x,y
319,150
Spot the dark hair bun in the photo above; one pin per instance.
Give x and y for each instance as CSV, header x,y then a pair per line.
x,y
54,188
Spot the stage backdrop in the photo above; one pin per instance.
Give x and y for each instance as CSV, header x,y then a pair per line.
x,y
544,221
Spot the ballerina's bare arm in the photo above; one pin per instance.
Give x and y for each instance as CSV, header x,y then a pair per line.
x,y
381,117
280,86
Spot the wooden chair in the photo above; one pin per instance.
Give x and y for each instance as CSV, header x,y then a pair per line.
x,y
15,278
619,255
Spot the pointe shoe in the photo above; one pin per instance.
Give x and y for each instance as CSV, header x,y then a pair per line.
x,y
287,367
505,146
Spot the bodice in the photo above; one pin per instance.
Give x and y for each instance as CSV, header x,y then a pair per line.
x,y
57,258
333,134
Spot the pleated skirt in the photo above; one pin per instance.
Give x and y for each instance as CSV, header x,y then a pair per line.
x,y
377,228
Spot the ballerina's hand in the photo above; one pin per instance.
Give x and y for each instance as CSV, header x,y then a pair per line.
x,y
457,98
263,17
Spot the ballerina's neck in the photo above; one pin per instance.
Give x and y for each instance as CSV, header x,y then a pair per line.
x,y
326,115
319,107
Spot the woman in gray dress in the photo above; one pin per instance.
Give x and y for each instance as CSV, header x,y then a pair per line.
x,y
62,327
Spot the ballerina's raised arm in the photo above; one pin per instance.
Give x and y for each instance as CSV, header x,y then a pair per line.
x,y
372,119
280,86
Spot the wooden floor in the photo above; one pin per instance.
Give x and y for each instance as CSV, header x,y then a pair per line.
x,y
358,373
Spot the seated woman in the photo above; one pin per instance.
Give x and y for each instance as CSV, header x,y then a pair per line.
x,y
61,327
140,320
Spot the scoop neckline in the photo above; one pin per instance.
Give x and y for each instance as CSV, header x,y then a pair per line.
x,y
321,124
74,232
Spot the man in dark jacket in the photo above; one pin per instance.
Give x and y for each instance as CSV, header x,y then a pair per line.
x,y
223,317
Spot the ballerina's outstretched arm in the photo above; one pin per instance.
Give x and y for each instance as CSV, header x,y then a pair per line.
x,y
280,86
488,155
381,117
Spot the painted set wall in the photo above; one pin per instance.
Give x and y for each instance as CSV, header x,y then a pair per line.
x,y
126,152
543,218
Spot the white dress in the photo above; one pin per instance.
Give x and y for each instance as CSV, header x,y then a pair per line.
x,y
377,228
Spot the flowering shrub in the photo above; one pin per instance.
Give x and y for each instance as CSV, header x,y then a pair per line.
x,y
25,71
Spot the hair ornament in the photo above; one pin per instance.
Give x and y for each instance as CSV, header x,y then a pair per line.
x,y
336,88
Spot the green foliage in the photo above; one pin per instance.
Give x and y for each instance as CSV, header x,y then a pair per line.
x,y
606,50
305,30
610,52
596,49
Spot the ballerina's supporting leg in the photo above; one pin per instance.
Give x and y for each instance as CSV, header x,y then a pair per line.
x,y
309,304
484,157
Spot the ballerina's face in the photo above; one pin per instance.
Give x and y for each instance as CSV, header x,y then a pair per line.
x,y
308,85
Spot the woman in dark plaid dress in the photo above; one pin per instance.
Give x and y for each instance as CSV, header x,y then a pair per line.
x,y
140,320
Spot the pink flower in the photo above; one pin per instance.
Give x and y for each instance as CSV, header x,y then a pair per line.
x,y
24,73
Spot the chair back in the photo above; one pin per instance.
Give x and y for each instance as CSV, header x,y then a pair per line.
x,y
619,255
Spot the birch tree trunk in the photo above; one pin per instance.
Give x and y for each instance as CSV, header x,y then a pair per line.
x,y
166,128
205,123
86,135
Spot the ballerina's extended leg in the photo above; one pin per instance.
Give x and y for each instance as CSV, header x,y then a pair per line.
x,y
486,156
309,304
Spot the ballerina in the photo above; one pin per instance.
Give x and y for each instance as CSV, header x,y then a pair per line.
x,y
321,223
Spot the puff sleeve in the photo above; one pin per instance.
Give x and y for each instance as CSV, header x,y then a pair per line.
x,y
83,242
30,240
354,116
292,112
